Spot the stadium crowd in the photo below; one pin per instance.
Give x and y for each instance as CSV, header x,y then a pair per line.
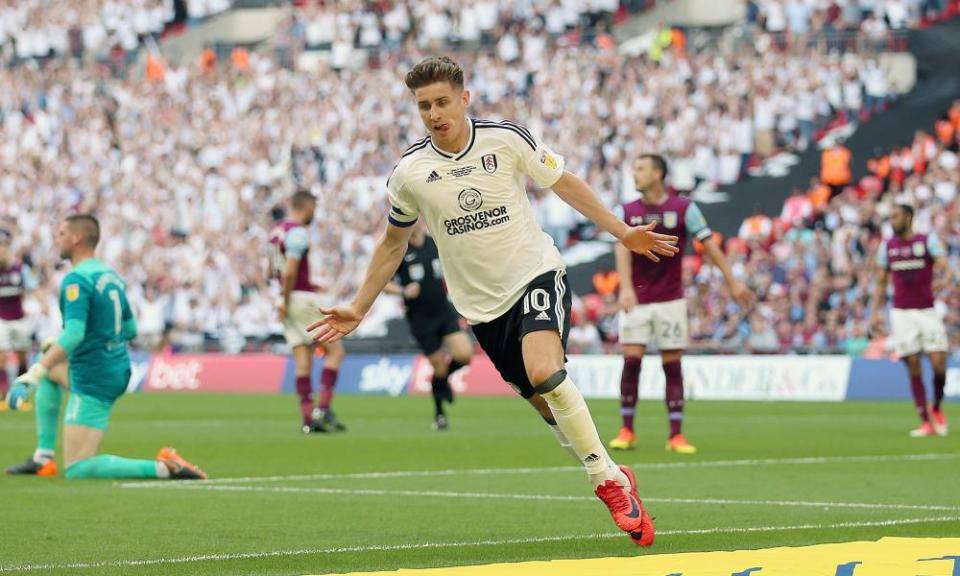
x,y
795,20
41,29
812,266
189,171
437,23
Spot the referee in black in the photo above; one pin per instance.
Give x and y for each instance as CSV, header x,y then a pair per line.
x,y
433,320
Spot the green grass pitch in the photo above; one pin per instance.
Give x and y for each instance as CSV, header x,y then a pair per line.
x,y
767,475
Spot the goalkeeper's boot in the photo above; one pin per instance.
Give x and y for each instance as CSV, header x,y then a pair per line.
x,y
939,421
625,440
644,536
677,443
180,469
33,468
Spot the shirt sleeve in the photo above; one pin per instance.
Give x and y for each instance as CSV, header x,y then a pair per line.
x,y
128,329
403,208
935,246
696,224
75,296
536,159
296,242
882,255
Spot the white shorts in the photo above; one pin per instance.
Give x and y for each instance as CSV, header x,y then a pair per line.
x,y
663,322
302,311
14,335
915,330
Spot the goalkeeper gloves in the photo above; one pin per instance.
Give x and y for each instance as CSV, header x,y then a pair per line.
x,y
24,386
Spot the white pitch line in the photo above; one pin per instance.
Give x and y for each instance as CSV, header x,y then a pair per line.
x,y
550,497
474,543
647,466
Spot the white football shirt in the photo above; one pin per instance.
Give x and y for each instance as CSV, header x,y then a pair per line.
x,y
476,208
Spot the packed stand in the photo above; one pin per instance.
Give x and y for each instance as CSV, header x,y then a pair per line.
x,y
186,168
863,25
813,266
42,29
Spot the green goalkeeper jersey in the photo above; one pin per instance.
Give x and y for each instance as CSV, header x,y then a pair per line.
x,y
98,323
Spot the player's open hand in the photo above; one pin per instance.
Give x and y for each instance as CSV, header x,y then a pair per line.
x,y
627,299
643,240
743,296
336,323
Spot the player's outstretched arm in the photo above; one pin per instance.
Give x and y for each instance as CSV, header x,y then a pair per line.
x,y
339,321
640,239
738,290
627,298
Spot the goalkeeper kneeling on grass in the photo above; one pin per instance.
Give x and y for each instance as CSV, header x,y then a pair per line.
x,y
98,324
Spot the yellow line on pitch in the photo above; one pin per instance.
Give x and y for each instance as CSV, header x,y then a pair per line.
x,y
885,557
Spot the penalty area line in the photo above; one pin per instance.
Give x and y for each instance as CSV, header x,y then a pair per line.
x,y
14,569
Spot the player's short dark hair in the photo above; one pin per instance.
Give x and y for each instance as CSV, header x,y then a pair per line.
x,y
302,198
908,209
659,163
87,226
432,70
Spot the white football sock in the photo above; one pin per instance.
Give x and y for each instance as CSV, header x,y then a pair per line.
x,y
564,442
43,456
163,471
574,420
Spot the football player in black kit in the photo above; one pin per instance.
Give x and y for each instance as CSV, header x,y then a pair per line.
x,y
433,320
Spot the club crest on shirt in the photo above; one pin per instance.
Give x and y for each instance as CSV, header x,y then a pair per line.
x,y
73,292
470,199
547,160
670,219
919,249
489,162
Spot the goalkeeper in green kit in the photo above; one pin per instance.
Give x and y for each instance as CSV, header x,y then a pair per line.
x,y
97,324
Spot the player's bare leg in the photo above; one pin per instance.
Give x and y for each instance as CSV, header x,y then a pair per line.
x,y
333,355
303,364
938,420
673,397
915,372
629,384
22,363
80,443
4,379
544,362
